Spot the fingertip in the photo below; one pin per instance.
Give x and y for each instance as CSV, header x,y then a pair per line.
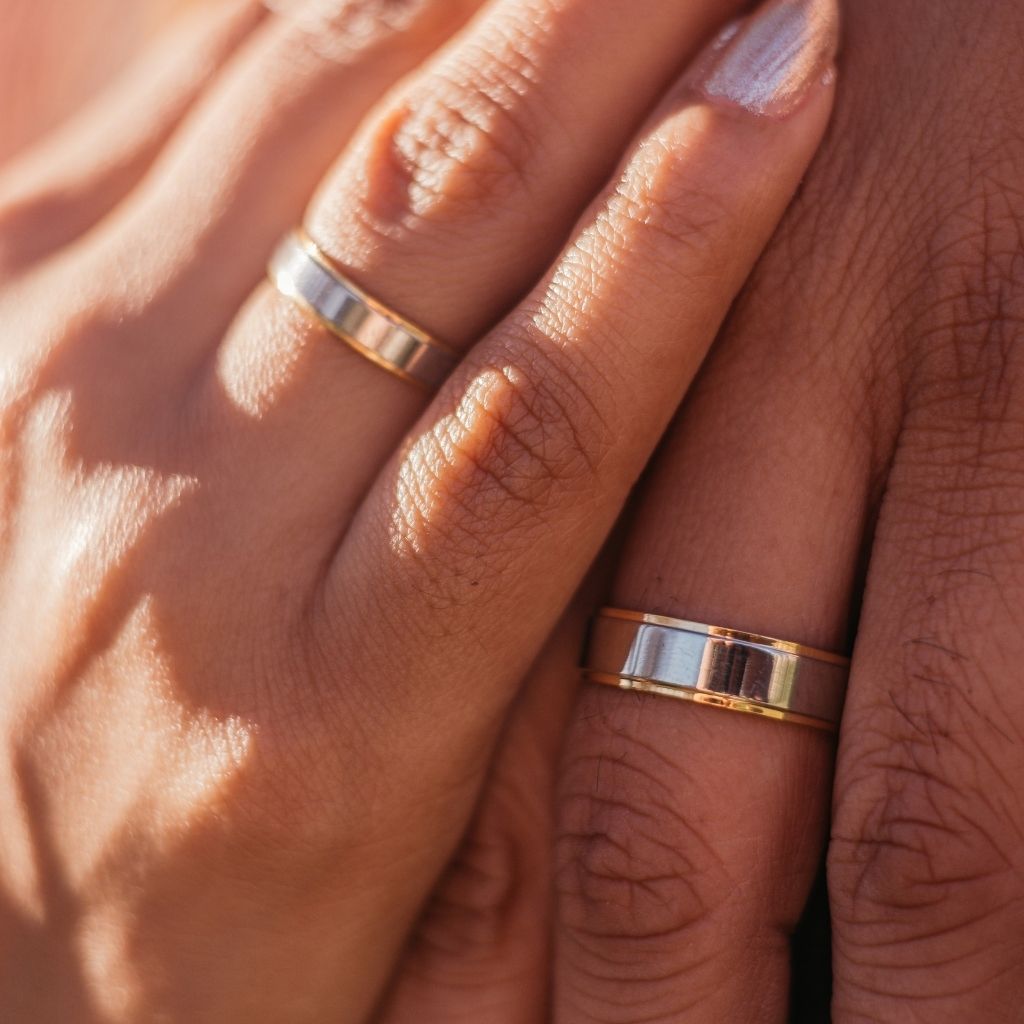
x,y
771,63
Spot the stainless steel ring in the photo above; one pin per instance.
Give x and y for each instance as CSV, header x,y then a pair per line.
x,y
306,275
720,667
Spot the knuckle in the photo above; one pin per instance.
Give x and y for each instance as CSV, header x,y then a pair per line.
x,y
923,858
618,879
660,207
928,819
462,145
333,29
475,489
473,908
920,880
630,870
921,850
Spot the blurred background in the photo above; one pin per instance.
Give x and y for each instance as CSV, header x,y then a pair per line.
x,y
55,54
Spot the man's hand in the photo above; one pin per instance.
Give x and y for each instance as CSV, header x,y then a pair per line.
x,y
854,451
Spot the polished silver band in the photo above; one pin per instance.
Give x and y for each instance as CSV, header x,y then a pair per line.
x,y
302,272
720,667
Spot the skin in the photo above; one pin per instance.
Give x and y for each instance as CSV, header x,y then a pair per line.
x,y
856,432
54,56
229,789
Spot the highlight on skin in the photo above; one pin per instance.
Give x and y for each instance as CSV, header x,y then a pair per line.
x,y
336,28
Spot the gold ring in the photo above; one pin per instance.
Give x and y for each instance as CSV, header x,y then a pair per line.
x,y
719,667
300,270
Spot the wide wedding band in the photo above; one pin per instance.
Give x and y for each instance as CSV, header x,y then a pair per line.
x,y
711,665
301,271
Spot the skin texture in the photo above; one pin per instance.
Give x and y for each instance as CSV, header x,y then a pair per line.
x,y
856,433
263,613
849,458
54,56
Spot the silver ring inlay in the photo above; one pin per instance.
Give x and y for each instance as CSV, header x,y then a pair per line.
x,y
302,272
722,667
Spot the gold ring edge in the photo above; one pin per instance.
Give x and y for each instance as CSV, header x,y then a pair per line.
x,y
714,700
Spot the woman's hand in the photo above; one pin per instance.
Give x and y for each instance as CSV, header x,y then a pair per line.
x,y
54,56
263,608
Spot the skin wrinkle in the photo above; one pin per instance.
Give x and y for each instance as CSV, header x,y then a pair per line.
x,y
453,158
464,139
596,870
875,303
477,898
469,139
927,751
337,29
493,441
1000,309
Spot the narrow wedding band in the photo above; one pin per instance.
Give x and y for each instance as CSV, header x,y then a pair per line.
x,y
723,668
306,275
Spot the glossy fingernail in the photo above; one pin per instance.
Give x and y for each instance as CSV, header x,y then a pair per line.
x,y
767,63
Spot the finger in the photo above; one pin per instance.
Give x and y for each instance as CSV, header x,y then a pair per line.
x,y
689,838
244,165
452,204
926,873
493,142
480,951
55,56
482,528
55,191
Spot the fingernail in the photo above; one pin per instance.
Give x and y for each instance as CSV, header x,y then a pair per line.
x,y
768,63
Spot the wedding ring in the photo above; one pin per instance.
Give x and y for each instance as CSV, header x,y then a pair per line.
x,y
301,271
724,668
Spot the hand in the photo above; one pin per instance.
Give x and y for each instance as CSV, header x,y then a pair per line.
x,y
263,607
53,56
851,452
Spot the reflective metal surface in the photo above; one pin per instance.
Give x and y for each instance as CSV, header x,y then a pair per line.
x,y
721,667
303,273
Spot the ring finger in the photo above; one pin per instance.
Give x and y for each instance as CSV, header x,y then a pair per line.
x,y
689,837
451,204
